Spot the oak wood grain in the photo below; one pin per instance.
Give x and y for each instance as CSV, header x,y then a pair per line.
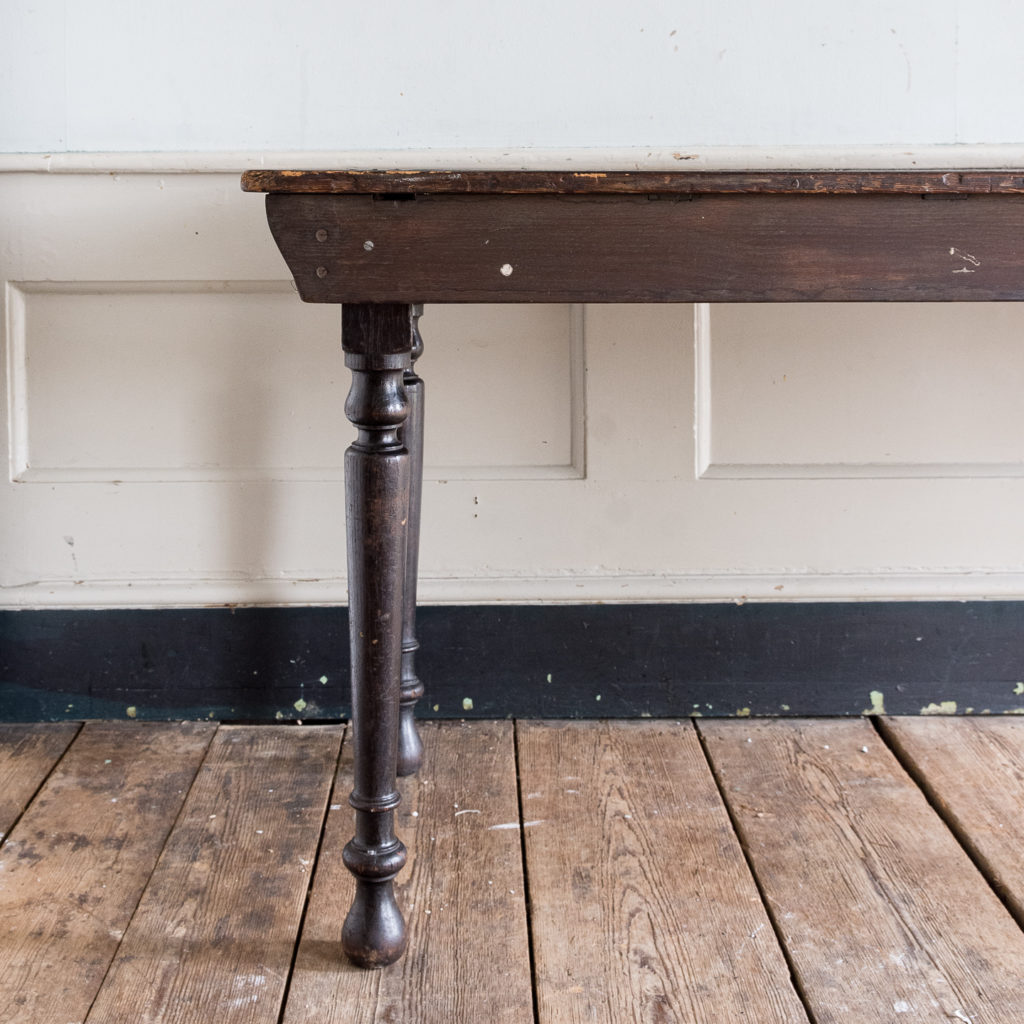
x,y
73,868
213,936
884,916
461,893
27,755
797,182
973,771
642,905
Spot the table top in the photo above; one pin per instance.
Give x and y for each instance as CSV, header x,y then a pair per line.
x,y
478,182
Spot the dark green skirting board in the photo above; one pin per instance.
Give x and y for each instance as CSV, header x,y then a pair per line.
x,y
550,661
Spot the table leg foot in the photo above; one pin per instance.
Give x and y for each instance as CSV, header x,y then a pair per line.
x,y
374,933
410,746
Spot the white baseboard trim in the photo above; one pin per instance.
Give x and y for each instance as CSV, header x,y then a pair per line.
x,y
737,588
930,157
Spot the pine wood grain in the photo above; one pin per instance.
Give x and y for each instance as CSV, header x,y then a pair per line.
x,y
213,935
643,908
461,893
73,867
27,755
884,915
973,771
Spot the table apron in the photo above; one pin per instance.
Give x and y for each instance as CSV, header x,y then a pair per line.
x,y
710,248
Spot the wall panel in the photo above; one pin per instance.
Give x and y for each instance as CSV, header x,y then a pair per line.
x,y
173,429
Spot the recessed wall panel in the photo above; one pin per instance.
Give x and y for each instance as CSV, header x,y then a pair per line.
x,y
886,390
239,380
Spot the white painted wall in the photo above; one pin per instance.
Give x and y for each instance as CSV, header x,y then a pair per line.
x,y
172,414
341,75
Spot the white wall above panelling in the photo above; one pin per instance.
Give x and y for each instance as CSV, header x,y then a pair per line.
x,y
341,76
174,430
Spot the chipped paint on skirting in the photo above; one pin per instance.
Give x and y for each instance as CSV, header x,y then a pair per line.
x,y
877,698
946,707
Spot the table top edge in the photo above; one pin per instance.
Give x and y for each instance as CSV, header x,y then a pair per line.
x,y
623,183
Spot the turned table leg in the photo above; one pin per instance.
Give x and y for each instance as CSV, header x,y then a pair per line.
x,y
377,340
410,747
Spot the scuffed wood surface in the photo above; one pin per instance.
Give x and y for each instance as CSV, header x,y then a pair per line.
x,y
461,893
973,771
884,916
27,755
73,867
212,938
412,182
643,907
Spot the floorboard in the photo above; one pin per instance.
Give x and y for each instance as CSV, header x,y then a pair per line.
x,y
213,935
73,867
759,871
461,892
973,771
27,755
882,912
643,906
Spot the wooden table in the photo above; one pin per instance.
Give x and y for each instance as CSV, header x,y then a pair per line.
x,y
382,243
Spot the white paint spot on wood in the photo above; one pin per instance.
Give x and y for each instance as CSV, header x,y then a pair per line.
x,y
515,824
506,270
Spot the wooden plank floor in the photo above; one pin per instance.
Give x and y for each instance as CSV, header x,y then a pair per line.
x,y
757,871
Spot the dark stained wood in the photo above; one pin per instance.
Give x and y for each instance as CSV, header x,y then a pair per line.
x,y
73,868
462,893
797,182
973,772
27,755
378,343
212,938
884,916
410,747
642,905
712,248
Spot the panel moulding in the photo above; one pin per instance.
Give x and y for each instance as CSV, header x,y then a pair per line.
x,y
707,467
25,468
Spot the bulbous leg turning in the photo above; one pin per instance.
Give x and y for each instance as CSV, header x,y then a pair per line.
x,y
374,932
